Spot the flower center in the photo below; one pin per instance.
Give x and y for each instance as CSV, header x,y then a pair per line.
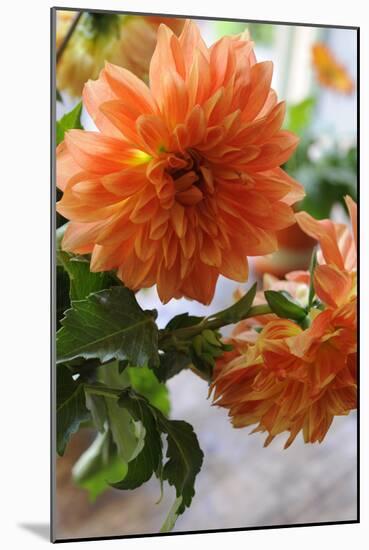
x,y
192,178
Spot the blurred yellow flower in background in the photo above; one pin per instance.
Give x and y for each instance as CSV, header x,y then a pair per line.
x,y
126,40
329,71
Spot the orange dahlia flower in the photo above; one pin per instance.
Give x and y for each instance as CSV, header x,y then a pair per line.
x,y
290,380
335,276
287,379
182,182
329,71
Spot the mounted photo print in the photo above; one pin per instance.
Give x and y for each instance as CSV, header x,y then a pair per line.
x,y
204,215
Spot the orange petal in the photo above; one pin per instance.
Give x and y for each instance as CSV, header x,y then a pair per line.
x,y
96,92
235,265
167,54
80,237
352,208
95,152
190,197
178,219
123,117
125,183
198,80
273,123
153,134
210,252
325,233
66,166
191,42
332,285
130,89
222,62
173,98
260,81
275,152
200,283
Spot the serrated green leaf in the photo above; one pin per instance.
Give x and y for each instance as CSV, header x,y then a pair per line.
x,y
58,96
283,306
184,459
183,451
171,363
97,407
182,321
82,281
99,466
128,439
71,408
144,381
69,121
127,434
239,310
108,325
299,115
148,460
62,294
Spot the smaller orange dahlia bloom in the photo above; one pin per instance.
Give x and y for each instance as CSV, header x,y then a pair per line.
x,y
183,180
287,379
335,276
329,71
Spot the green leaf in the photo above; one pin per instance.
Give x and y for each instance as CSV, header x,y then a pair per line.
x,y
299,115
58,96
148,460
185,459
108,325
183,451
127,434
283,306
99,466
144,381
97,407
82,281
62,294
171,363
239,310
182,321
71,409
69,121
312,267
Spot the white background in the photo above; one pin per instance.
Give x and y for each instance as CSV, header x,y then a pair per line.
x,y
24,219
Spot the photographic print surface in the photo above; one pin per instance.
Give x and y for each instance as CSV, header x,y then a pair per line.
x,y
205,297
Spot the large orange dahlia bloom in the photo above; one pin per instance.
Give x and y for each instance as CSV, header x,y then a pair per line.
x,y
183,180
287,379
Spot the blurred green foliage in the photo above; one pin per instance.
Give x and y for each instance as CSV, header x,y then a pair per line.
x,y
260,33
326,168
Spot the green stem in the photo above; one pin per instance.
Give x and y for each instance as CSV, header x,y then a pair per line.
x,y
211,324
68,36
255,311
104,391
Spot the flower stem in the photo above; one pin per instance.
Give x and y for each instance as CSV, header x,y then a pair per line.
x,y
68,36
104,391
211,324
